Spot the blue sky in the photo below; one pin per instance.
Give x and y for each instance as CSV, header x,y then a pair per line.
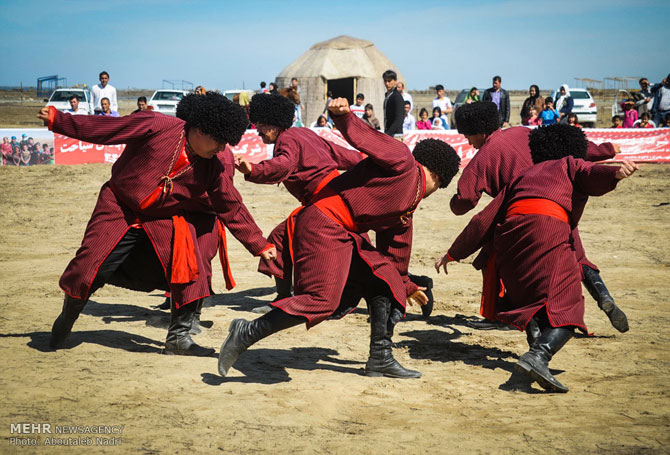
x,y
224,44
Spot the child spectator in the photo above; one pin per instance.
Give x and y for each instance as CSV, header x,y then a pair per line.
x,y
533,120
321,122
572,120
408,120
437,113
423,123
616,122
644,121
370,117
437,124
629,114
549,115
358,109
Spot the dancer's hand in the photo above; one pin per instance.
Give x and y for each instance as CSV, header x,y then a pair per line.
x,y
242,165
616,148
627,169
270,254
44,115
442,263
339,106
418,298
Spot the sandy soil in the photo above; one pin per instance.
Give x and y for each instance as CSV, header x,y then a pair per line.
x,y
304,392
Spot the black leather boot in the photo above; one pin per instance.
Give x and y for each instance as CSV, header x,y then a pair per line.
x,y
165,305
195,325
178,341
596,287
426,282
243,333
381,361
535,363
533,332
63,324
284,288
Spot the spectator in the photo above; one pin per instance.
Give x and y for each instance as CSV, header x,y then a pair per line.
x,y
6,151
16,147
437,113
103,90
666,122
74,106
408,120
645,101
326,112
499,96
644,121
262,90
24,139
573,120
629,114
298,107
370,117
406,96
423,123
437,123
45,155
358,109
549,115
444,103
616,122
473,96
533,100
393,104
321,122
564,103
25,157
107,109
534,119
272,89
141,105
31,145
661,106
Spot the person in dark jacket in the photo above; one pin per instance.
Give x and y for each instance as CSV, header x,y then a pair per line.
x,y
394,104
500,98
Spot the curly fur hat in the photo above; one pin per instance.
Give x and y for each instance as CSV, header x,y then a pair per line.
x,y
275,110
476,118
439,157
554,142
214,115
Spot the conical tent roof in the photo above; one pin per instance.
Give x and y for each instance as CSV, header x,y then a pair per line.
x,y
338,58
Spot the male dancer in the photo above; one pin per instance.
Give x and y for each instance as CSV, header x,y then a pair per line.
x,y
304,162
504,155
531,223
335,265
144,233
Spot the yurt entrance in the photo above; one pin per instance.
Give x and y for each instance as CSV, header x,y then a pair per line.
x,y
342,88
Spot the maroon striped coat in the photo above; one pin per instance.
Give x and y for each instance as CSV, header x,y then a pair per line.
x,y
505,156
381,193
534,253
301,160
151,141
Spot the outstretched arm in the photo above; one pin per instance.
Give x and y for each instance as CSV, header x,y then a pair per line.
x,y
275,170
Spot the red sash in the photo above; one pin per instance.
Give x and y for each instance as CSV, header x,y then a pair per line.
x,y
493,287
223,257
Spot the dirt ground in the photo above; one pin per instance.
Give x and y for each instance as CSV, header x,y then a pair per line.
x,y
303,391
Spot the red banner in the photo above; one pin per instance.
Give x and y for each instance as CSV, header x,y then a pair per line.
x,y
641,145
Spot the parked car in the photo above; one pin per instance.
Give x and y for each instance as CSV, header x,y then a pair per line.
x,y
585,106
458,102
230,94
165,101
60,99
620,97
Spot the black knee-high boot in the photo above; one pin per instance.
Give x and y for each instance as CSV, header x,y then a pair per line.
x,y
535,363
284,286
426,282
596,287
243,333
63,324
178,341
381,361
195,325
533,331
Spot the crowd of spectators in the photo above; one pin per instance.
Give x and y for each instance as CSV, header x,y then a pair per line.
x,y
26,152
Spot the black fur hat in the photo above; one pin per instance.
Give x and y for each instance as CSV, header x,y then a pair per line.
x,y
439,157
214,115
554,142
476,118
275,110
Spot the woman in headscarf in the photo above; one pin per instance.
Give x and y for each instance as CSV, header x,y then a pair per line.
x,y
533,100
473,96
564,103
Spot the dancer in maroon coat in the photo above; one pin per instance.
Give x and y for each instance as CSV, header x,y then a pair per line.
x,y
335,265
504,155
144,232
530,223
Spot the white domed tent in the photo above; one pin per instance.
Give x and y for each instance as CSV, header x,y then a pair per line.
x,y
344,65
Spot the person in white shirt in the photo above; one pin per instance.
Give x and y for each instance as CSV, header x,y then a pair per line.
x,y
443,102
74,106
358,109
406,96
103,90
409,122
